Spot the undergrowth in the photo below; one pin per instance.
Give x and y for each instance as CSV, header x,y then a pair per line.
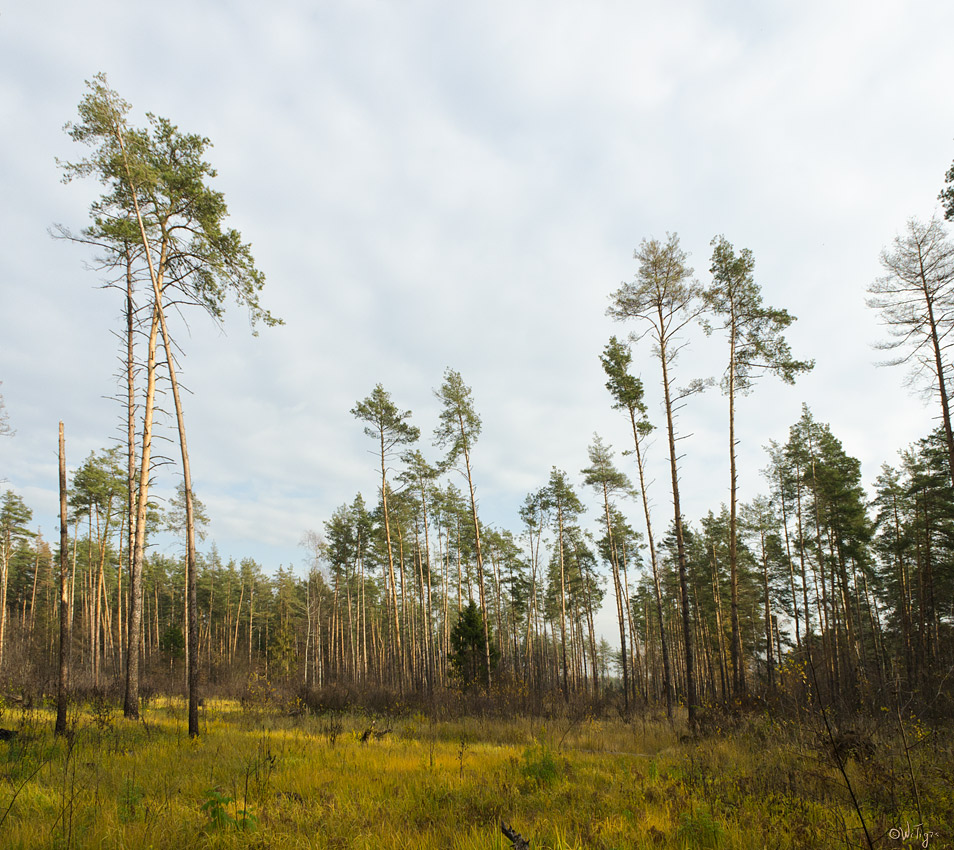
x,y
260,777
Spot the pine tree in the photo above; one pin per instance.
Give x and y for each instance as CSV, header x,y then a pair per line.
x,y
916,302
664,300
756,345
158,198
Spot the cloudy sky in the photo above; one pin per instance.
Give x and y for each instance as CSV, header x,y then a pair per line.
x,y
429,185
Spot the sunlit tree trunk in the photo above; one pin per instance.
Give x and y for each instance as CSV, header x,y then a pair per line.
x,y
134,621
63,681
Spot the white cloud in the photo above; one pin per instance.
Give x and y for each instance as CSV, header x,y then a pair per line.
x,y
429,186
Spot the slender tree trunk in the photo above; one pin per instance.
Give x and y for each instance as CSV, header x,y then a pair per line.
x,y
494,559
769,661
663,639
63,682
5,547
617,586
738,666
193,649
532,615
36,573
387,536
591,630
131,496
192,661
566,686
480,557
155,276
720,626
429,613
904,600
791,565
704,640
941,384
251,614
134,621
100,590
691,700
363,616
407,655
829,636
638,666
801,558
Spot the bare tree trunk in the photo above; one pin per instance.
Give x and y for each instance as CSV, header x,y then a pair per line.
x,y
100,590
738,665
63,682
193,636
5,547
639,664
770,663
801,558
532,624
942,386
791,565
480,557
566,687
663,638
720,627
192,662
36,573
130,450
387,536
134,621
680,543
591,631
617,586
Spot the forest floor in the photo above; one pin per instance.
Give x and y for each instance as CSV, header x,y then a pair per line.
x,y
258,777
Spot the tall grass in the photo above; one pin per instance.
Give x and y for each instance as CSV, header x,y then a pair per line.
x,y
259,778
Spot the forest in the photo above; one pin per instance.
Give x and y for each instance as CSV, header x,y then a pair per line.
x,y
815,598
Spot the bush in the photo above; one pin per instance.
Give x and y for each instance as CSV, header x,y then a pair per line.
x,y
539,766
699,829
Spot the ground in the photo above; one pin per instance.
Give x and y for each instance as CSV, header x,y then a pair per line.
x,y
263,775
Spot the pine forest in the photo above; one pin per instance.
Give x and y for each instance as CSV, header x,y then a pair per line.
x,y
817,607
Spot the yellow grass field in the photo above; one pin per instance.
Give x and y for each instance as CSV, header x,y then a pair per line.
x,y
264,778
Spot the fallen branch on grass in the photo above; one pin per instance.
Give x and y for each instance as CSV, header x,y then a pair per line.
x,y
518,841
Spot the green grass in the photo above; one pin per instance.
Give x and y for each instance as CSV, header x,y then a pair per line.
x,y
257,779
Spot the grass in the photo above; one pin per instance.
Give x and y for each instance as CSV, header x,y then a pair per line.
x,y
257,779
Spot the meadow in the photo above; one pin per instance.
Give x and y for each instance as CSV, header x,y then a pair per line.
x,y
262,775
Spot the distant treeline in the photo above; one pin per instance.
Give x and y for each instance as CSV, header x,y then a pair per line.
x,y
860,591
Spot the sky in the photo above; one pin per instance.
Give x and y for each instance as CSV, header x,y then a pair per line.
x,y
431,185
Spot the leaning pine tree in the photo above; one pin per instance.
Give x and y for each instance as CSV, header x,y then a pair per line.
x,y
158,198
